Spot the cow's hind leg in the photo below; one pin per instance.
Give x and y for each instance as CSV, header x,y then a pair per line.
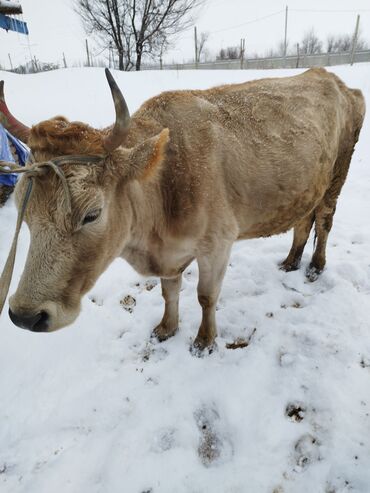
x,y
301,234
170,321
324,212
323,222
212,269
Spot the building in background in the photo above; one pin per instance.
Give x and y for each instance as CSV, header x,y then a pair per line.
x,y
9,17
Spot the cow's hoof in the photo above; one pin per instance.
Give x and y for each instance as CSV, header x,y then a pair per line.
x,y
313,273
162,333
200,348
289,266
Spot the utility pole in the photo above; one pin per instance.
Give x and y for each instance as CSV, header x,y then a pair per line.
x,y
64,60
10,60
87,53
286,34
242,51
161,57
196,46
354,40
297,55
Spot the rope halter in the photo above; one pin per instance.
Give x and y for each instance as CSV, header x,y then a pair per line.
x,y
31,171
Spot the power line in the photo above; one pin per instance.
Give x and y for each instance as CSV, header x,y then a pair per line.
x,y
100,52
258,19
330,10
241,25
248,22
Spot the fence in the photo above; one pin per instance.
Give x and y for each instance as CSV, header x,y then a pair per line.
x,y
296,61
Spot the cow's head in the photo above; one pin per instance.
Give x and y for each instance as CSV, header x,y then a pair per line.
x,y
68,251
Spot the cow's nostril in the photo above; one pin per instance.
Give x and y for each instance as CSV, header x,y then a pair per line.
x,y
36,323
42,323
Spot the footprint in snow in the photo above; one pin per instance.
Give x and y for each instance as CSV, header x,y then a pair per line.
x,y
365,362
164,439
153,351
286,359
306,451
338,486
214,446
128,303
148,285
295,411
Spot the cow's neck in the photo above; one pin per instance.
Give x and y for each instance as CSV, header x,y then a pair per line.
x,y
151,248
145,196
148,245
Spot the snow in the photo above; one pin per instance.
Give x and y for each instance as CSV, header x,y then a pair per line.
x,y
97,407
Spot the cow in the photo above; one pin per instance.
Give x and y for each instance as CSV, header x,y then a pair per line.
x,y
182,179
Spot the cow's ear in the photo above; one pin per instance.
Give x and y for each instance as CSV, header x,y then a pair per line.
x,y
146,158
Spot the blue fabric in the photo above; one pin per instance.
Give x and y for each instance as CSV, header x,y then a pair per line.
x,y
6,155
22,150
11,24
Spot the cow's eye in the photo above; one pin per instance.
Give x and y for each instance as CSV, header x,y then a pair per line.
x,y
91,216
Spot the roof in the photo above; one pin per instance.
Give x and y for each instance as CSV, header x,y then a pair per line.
x,y
10,7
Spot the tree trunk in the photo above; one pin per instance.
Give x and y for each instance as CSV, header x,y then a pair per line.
x,y
138,59
121,65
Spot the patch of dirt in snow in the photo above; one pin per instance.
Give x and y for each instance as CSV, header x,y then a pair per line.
x,y
214,446
128,303
240,343
295,412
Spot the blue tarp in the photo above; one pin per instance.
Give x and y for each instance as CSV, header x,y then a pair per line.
x,y
5,154
10,24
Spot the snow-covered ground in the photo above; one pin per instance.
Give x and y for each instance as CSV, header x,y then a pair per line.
x,y
97,408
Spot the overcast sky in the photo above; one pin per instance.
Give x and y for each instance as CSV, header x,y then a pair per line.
x,y
55,28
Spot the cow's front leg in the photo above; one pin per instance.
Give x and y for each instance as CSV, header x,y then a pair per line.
x,y
170,321
211,273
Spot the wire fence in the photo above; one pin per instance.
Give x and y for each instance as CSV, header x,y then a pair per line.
x,y
290,61
354,48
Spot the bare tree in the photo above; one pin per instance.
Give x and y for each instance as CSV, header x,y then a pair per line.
x,y
103,19
330,43
310,43
202,43
339,43
136,27
233,52
280,50
343,43
229,53
221,55
361,44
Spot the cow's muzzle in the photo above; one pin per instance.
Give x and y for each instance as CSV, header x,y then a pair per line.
x,y
35,323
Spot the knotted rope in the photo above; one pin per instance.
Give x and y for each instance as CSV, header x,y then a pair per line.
x,y
32,170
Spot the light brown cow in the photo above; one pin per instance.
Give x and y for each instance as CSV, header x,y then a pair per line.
x,y
190,173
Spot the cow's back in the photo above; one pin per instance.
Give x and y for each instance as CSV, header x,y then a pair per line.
x,y
260,153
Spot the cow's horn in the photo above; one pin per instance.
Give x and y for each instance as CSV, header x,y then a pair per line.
x,y
9,122
115,137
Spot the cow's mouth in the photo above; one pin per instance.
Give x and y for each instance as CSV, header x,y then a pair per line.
x,y
35,323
